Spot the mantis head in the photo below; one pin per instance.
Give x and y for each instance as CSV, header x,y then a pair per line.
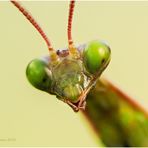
x,y
70,77
71,74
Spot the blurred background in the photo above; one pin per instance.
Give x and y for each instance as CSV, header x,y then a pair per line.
x,y
30,117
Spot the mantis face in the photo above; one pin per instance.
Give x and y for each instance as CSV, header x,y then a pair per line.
x,y
70,79
68,74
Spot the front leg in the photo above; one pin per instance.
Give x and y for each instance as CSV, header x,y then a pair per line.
x,y
82,98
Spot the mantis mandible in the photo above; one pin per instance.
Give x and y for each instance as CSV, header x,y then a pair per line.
x,y
72,75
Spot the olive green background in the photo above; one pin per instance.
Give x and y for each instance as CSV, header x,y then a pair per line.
x,y
29,117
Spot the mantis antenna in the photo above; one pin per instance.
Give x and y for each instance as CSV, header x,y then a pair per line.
x,y
72,49
37,26
53,54
70,17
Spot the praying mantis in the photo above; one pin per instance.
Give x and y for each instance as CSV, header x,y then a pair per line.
x,y
86,97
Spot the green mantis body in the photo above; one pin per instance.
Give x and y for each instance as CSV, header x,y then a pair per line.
x,y
73,76
118,120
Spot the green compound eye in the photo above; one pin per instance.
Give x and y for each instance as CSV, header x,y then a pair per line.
x,y
37,74
96,56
